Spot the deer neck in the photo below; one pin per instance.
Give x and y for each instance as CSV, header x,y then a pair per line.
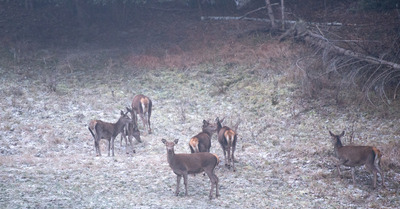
x,y
171,158
209,133
219,127
118,127
337,146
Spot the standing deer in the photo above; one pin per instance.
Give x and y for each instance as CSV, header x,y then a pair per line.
x,y
131,130
202,141
184,164
109,131
142,105
353,156
227,139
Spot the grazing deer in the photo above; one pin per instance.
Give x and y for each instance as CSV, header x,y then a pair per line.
x,y
353,156
131,130
142,105
202,141
107,131
227,138
184,164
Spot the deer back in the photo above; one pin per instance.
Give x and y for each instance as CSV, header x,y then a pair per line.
x,y
226,136
355,155
202,141
141,104
193,163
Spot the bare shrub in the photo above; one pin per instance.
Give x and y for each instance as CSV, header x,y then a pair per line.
x,y
182,110
391,155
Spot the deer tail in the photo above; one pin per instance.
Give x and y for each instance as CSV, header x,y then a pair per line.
x,y
194,145
92,125
229,135
217,159
378,156
92,133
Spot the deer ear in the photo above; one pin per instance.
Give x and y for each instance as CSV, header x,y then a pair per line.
x,y
122,112
164,141
342,134
128,109
205,122
331,133
176,141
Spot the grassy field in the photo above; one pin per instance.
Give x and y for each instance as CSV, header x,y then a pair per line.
x,y
285,156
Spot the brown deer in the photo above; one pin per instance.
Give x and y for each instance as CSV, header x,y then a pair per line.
x,y
202,141
184,164
109,131
131,130
141,105
227,138
353,156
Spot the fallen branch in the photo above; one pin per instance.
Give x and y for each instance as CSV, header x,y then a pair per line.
x,y
292,22
326,44
253,11
243,18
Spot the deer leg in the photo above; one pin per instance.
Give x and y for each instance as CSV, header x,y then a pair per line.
x,y
216,185
229,158
374,181
109,147
97,147
211,190
379,170
143,120
148,121
178,181
212,180
123,136
226,165
372,169
112,145
382,176
185,178
233,150
338,169
352,175
233,158
131,143
126,144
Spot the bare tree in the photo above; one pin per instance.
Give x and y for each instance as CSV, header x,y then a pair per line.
x,y
270,13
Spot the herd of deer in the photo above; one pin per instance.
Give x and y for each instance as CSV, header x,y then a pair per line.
x,y
200,158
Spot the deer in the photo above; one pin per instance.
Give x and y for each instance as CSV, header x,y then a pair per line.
x,y
141,105
202,141
353,156
184,164
104,130
227,138
131,130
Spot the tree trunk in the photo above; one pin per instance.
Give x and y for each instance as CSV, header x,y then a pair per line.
x,y
270,13
283,14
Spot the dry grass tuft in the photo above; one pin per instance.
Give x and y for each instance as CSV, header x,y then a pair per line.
x,y
391,156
